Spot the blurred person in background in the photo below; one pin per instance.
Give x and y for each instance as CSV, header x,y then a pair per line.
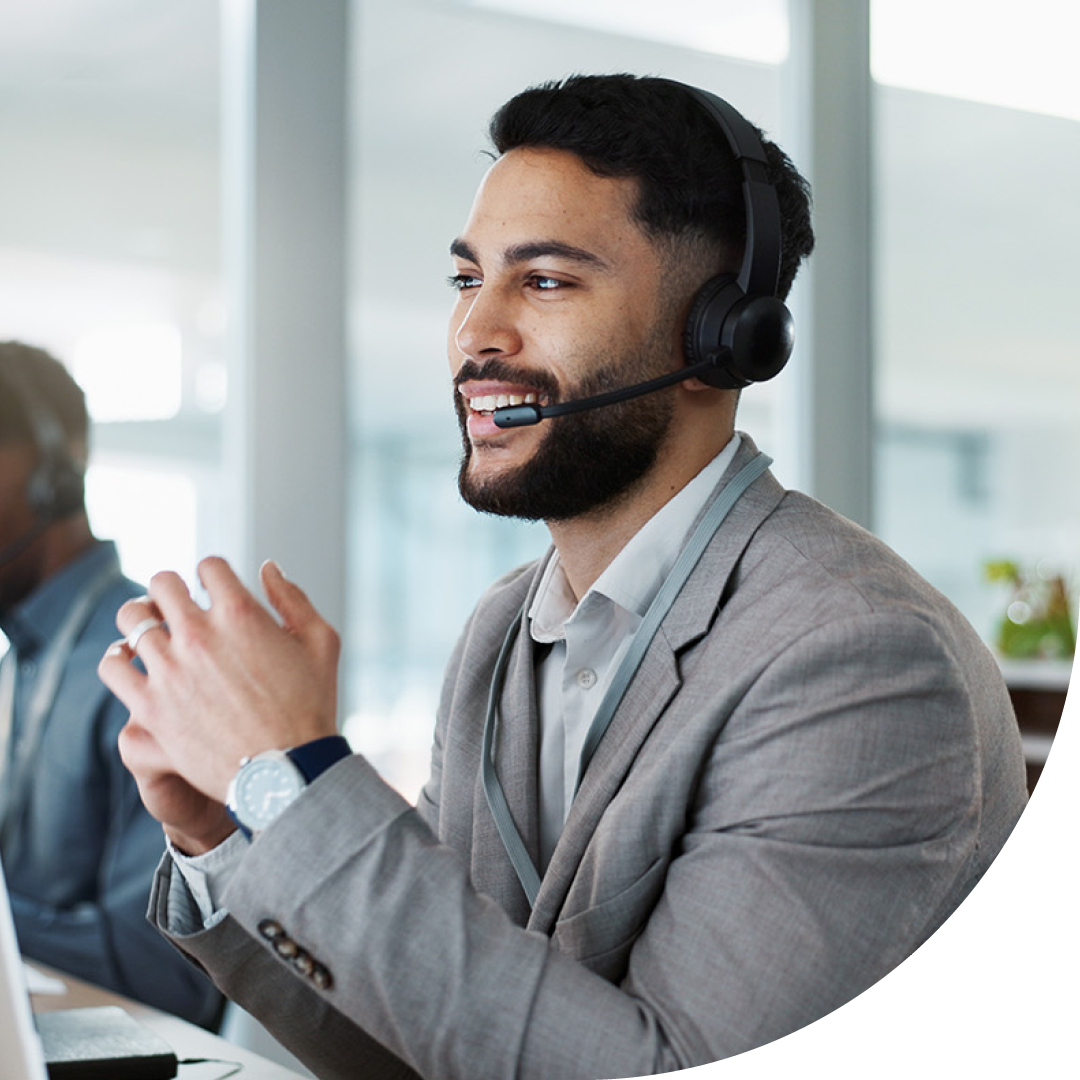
x,y
78,848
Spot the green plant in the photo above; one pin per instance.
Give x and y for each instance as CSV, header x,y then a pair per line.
x,y
1037,622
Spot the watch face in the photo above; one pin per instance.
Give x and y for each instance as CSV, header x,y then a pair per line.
x,y
264,787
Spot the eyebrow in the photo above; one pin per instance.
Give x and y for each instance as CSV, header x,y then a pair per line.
x,y
535,249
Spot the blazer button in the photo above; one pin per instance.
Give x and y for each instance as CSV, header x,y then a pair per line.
x,y
321,977
305,963
286,947
271,929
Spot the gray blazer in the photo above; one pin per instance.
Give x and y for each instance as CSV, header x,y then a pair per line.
x,y
814,765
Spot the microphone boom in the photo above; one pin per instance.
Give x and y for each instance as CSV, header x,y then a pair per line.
x,y
512,416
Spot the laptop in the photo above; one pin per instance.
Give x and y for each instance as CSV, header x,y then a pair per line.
x,y
70,1044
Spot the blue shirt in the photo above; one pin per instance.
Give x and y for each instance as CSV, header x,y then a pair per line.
x,y
80,857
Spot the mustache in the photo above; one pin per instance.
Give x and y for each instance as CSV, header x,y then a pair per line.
x,y
503,371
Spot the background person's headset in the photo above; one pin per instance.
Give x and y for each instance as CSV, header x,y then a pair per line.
x,y
738,330
55,487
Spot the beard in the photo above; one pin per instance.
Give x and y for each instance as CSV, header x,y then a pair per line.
x,y
585,461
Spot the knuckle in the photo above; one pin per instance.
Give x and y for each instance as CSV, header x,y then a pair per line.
x,y
123,743
327,640
130,610
188,637
237,608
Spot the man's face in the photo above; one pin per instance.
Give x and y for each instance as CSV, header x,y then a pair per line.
x,y
559,297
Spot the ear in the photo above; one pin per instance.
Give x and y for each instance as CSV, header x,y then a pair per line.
x,y
696,385
715,402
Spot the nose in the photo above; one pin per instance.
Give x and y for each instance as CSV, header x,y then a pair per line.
x,y
483,325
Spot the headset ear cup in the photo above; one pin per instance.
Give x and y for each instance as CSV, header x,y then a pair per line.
x,y
55,489
746,339
704,325
760,335
70,491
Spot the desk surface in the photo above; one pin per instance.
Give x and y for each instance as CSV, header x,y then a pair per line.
x,y
187,1040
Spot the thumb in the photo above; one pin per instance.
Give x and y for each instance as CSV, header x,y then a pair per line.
x,y
288,600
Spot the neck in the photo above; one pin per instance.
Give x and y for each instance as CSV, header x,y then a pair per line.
x,y
63,542
60,543
588,544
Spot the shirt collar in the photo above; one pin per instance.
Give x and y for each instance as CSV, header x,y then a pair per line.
x,y
635,575
34,620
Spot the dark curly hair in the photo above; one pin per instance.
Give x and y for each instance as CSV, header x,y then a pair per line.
x,y
654,131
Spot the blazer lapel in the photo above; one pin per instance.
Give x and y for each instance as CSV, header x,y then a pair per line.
x,y
655,684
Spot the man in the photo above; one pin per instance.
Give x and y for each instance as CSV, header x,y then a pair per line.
x,y
706,771
77,845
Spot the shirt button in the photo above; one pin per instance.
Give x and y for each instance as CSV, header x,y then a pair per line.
x,y
586,678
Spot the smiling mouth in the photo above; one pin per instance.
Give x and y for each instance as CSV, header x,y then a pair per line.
x,y
487,403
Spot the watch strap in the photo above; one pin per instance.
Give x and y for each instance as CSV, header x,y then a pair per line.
x,y
315,757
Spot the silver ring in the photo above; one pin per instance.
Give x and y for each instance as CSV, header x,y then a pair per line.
x,y
133,639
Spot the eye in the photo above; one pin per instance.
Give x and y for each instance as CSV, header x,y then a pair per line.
x,y
461,282
545,283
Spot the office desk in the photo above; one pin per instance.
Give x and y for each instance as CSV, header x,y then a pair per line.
x,y
1037,689
187,1040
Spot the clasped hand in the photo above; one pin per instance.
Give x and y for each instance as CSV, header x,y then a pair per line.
x,y
220,684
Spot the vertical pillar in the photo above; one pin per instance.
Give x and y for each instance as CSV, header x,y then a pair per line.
x,y
826,396
284,92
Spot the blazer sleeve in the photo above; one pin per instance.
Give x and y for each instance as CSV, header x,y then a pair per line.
x,y
257,979
837,807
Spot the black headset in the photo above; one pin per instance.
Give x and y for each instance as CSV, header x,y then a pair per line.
x,y
737,325
55,488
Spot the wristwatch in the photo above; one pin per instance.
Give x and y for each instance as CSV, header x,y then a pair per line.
x,y
266,783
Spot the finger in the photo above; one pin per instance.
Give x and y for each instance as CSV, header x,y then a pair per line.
x,y
172,597
145,634
229,596
133,611
117,672
290,602
219,579
140,752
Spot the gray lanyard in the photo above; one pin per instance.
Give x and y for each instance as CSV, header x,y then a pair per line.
x,y
16,776
658,609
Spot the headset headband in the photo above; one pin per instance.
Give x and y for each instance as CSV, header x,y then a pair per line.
x,y
759,274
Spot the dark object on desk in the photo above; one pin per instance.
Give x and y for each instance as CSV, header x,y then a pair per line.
x,y
103,1043
1038,689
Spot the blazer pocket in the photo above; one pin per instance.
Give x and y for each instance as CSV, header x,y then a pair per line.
x,y
600,936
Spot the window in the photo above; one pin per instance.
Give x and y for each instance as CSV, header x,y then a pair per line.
x,y
978,164
109,251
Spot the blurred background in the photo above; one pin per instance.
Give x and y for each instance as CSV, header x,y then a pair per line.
x,y
264,382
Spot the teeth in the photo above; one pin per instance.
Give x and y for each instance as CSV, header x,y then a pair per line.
x,y
491,402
